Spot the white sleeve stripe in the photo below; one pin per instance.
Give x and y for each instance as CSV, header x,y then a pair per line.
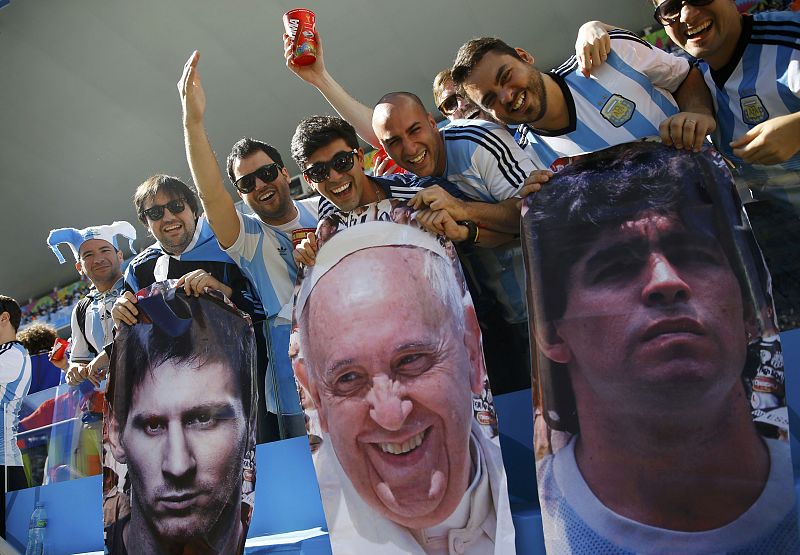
x,y
503,146
567,66
501,151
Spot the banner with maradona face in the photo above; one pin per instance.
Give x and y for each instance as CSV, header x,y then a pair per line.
x,y
180,423
661,423
387,352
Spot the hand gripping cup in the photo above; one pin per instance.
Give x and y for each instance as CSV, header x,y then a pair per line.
x,y
299,24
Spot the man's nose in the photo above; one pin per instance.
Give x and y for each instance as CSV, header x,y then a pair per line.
x,y
388,407
665,285
505,95
178,457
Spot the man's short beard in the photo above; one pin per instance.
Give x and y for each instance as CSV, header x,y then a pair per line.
x,y
536,88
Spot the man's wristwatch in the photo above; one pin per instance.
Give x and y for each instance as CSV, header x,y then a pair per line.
x,y
473,233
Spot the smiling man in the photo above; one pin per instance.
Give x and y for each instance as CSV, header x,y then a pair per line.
x,y
186,249
98,258
646,303
404,467
181,421
261,243
639,91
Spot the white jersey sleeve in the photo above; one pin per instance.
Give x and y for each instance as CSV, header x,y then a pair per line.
x,y
484,161
661,68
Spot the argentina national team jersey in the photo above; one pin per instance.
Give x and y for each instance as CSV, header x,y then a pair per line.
x,y
483,160
401,186
264,253
15,380
625,99
97,324
761,81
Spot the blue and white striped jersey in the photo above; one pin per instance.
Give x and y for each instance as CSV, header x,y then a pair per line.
x,y
625,99
401,186
484,161
264,254
97,324
15,380
760,82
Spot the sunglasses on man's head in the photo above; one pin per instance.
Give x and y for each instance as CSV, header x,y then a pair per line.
x,y
449,104
156,212
247,183
669,12
341,162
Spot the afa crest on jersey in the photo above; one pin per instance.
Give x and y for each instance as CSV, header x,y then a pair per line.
x,y
618,110
753,110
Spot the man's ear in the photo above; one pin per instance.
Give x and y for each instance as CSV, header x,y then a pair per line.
x,y
305,381
119,256
431,121
79,267
474,346
552,345
115,440
525,55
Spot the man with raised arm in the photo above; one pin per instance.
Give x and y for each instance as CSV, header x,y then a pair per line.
x,y
260,244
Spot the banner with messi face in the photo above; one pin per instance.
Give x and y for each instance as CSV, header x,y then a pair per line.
x,y
181,427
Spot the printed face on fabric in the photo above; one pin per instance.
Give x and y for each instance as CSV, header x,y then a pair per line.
x,y
185,428
181,419
666,308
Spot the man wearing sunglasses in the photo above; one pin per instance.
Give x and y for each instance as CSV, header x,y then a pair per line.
x,y
452,102
186,249
751,63
260,243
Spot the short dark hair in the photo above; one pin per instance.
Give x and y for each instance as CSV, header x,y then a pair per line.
x,y
605,189
473,51
390,97
167,184
218,334
245,147
7,304
38,338
316,132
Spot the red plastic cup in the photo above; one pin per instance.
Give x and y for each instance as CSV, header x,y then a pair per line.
x,y
59,349
300,233
380,156
300,25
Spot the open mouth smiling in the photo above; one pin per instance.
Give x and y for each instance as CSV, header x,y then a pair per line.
x,y
517,104
266,196
405,447
341,188
418,158
694,31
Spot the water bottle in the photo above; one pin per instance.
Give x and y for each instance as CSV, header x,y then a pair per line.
x,y
36,529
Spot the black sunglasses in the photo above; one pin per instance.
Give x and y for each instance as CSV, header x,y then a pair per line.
x,y
341,162
449,104
247,183
156,212
669,12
